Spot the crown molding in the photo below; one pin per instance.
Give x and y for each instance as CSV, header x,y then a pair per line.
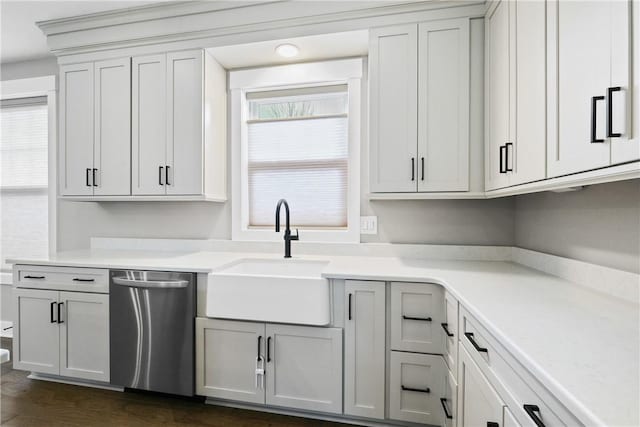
x,y
204,24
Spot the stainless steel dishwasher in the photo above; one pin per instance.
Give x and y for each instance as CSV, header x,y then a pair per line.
x,y
152,316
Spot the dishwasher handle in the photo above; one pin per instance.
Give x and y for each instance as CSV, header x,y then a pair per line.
x,y
164,284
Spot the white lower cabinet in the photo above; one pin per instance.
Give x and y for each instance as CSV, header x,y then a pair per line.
x,y
282,365
62,333
364,353
478,402
416,385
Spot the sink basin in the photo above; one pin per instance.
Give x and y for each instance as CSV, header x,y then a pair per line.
x,y
271,290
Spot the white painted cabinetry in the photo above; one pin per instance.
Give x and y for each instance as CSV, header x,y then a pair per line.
x,y
589,58
95,128
364,353
281,365
60,332
179,125
419,120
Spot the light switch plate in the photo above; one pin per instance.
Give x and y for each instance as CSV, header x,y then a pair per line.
x,y
368,225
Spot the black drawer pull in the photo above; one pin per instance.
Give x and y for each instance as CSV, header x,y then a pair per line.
x,y
492,424
259,345
34,277
424,319
503,149
443,402
160,168
422,173
166,175
594,118
349,306
610,133
94,177
76,279
87,177
506,156
51,312
473,342
533,411
418,390
59,318
413,169
446,329
269,349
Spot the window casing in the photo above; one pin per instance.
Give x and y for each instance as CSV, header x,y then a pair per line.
x,y
297,138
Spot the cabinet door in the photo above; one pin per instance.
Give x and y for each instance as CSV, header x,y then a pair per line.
x,y
185,100
36,339
450,331
364,330
449,403
443,106
497,95
478,402
509,419
416,384
227,355
112,154
416,317
393,73
84,335
591,43
149,124
528,154
304,368
76,129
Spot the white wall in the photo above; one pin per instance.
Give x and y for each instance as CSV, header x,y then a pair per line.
x,y
26,69
600,224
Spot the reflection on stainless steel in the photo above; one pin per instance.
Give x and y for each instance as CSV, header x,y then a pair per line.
x,y
152,330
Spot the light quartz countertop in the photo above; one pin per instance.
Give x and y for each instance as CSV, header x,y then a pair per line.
x,y
583,346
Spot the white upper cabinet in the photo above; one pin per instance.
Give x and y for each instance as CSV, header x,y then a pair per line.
x,y
515,143
419,120
393,73
76,129
443,105
589,73
179,130
112,140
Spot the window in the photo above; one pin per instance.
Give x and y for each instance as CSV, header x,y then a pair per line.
x,y
295,135
23,178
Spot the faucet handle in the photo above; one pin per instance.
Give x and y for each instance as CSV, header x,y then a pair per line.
x,y
296,237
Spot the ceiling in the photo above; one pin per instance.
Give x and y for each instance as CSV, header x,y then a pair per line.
x,y
21,39
312,48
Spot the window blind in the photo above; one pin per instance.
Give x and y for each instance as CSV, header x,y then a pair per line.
x,y
297,149
23,178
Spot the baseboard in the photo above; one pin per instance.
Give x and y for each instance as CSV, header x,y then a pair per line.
x,y
74,381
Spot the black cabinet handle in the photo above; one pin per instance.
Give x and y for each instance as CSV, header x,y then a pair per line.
x,y
160,175
417,390
422,173
506,156
349,306
166,175
424,319
269,349
94,177
75,279
473,342
533,411
59,318
594,117
610,133
87,177
445,326
443,402
503,169
492,424
413,169
34,277
259,345
51,312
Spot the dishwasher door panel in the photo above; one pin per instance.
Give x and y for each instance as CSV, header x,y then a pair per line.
x,y
152,317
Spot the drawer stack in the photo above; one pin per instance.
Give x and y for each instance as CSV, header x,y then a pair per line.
x,y
422,375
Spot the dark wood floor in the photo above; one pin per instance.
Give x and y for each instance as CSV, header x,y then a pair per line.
x,y
26,402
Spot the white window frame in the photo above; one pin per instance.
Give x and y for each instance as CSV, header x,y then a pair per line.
x,y
32,87
344,71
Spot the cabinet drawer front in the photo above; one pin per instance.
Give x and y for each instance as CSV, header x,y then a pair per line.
x,y
416,385
513,382
416,317
61,278
449,403
450,330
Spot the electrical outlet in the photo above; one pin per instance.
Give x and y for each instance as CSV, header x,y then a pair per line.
x,y
368,225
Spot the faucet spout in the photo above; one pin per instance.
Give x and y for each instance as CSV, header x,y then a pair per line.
x,y
287,231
